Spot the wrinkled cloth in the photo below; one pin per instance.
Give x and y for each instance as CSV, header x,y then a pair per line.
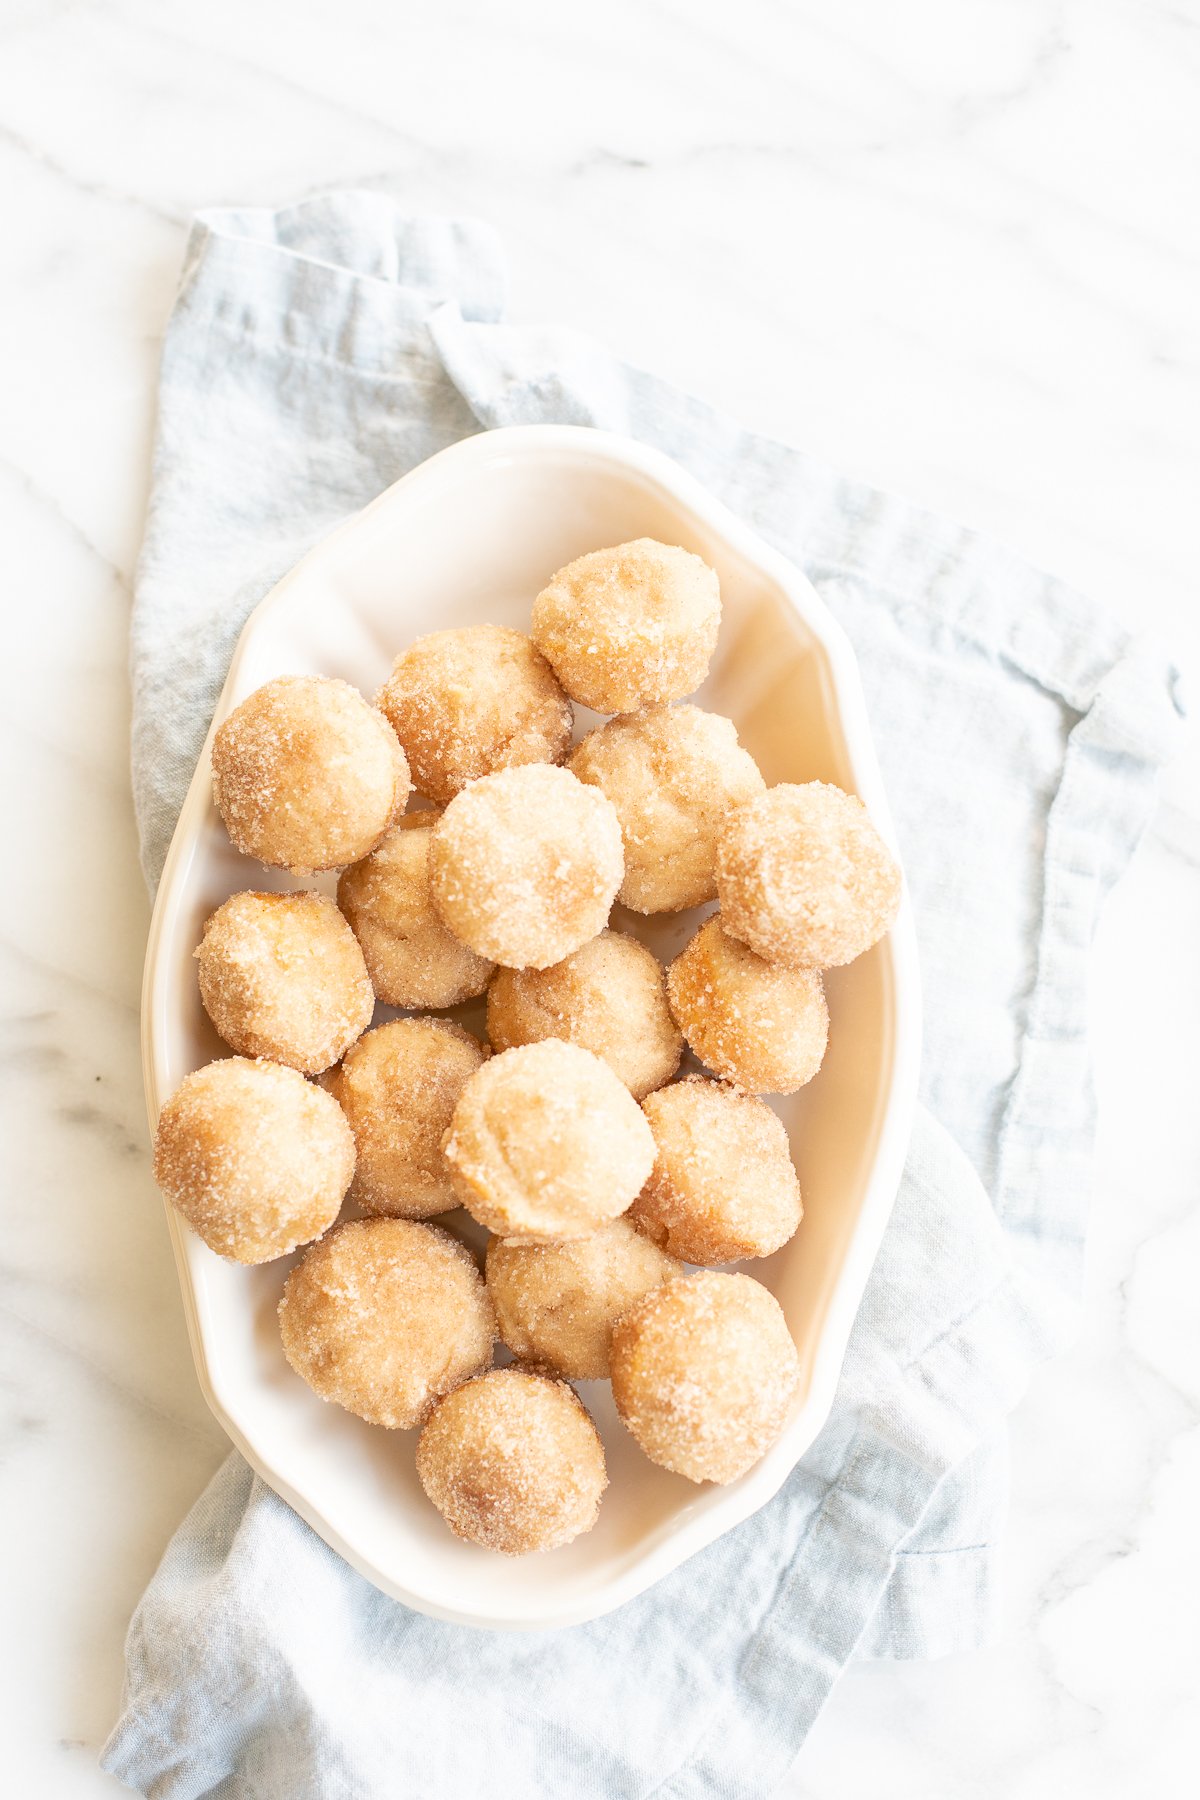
x,y
314,355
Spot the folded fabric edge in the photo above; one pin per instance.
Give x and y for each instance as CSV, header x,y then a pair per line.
x,y
1103,804
330,277
937,1603
943,1598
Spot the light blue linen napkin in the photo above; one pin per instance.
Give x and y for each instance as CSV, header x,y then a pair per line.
x,y
315,354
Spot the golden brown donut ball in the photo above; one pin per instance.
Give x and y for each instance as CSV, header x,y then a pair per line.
x,y
673,773
467,702
306,775
630,626
524,866
723,1185
412,958
704,1371
609,997
398,1088
546,1144
256,1158
513,1462
282,976
804,877
383,1316
760,1025
556,1304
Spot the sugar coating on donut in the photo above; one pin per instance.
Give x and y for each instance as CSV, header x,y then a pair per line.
x,y
723,1185
704,1372
398,1088
413,959
513,1462
281,976
546,1144
524,866
673,773
556,1304
471,700
756,1023
609,997
307,775
804,877
256,1158
630,626
384,1316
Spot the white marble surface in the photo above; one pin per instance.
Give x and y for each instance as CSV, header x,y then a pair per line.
x,y
967,233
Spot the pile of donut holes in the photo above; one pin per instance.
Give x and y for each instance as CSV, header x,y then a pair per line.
x,y
610,1184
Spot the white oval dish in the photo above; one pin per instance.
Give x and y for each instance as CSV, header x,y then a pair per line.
x,y
471,536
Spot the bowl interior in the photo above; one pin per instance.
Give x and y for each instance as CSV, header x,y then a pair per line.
x,y
471,538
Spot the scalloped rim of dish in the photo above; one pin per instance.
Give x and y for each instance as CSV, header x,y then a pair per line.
x,y
690,1531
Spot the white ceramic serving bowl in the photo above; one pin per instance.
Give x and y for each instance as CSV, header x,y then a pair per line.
x,y
471,536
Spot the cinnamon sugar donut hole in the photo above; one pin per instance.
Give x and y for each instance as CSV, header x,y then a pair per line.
x,y
256,1158
723,1185
524,866
383,1316
556,1304
398,1088
472,700
704,1371
281,976
546,1144
759,1025
513,1462
630,626
608,997
673,773
412,958
306,775
804,877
